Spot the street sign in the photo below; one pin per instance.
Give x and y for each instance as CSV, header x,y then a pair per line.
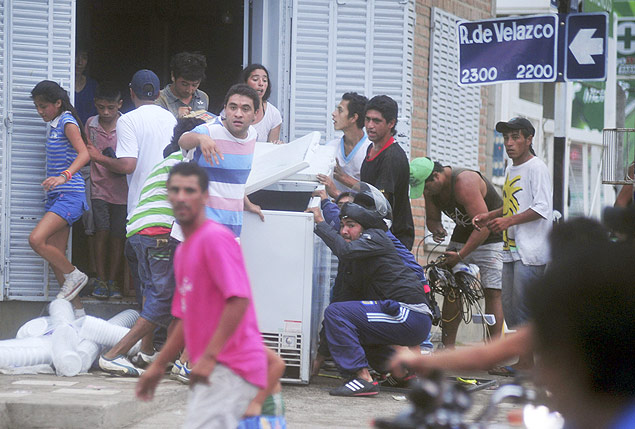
x,y
508,49
586,46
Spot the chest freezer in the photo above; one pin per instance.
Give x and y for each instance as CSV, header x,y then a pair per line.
x,y
288,265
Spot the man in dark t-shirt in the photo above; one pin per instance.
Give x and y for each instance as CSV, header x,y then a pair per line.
x,y
386,165
461,194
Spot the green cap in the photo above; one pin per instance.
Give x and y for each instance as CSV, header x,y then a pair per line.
x,y
420,170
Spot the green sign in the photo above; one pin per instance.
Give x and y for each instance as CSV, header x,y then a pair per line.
x,y
587,111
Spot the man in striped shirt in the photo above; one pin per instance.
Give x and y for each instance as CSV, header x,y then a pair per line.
x,y
226,153
150,252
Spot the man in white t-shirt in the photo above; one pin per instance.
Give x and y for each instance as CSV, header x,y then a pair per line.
x,y
525,220
351,148
141,135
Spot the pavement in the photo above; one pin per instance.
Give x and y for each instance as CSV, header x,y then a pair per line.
x,y
98,400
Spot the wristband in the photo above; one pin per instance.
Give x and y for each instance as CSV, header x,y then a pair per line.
x,y
458,252
66,174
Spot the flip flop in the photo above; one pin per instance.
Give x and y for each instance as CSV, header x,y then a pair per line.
x,y
503,371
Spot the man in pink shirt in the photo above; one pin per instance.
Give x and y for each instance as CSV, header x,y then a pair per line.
x,y
216,320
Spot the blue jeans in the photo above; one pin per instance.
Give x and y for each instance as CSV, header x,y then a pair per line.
x,y
151,260
517,277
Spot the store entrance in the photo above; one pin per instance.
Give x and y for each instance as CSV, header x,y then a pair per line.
x,y
123,36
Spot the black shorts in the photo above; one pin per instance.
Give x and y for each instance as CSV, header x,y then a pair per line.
x,y
110,217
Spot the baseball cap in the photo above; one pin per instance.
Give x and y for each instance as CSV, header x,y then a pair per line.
x,y
145,84
517,123
420,170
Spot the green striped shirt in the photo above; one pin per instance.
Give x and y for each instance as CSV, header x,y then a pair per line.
x,y
153,208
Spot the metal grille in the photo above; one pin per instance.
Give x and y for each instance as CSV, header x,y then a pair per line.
x,y
454,111
619,155
289,348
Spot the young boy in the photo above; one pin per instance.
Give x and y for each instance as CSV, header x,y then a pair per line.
x,y
216,319
109,191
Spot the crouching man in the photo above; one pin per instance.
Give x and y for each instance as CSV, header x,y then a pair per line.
x,y
216,320
392,307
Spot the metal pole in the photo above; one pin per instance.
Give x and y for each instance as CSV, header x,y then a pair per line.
x,y
560,131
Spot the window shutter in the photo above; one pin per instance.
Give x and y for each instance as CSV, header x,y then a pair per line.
x,y
454,111
40,45
334,51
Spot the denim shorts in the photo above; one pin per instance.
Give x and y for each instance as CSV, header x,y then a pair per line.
x,y
151,260
68,205
110,217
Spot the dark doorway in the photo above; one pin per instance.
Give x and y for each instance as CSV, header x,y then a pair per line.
x,y
123,36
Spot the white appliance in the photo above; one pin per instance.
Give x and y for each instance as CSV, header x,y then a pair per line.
x,y
288,265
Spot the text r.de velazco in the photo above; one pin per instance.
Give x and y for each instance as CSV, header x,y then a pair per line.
x,y
505,32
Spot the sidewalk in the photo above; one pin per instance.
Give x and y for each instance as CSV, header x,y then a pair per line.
x,y
97,400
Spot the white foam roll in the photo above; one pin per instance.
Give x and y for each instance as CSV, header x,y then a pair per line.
x,y
102,332
35,327
14,357
66,360
61,312
26,352
27,342
88,351
126,318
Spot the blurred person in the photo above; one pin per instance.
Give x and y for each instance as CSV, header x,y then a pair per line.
x,y
214,311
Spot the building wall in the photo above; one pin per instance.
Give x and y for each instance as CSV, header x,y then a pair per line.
x,y
467,9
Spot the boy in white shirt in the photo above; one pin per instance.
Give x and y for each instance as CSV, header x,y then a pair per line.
x,y
525,220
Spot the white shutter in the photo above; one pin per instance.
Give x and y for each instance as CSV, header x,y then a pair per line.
x,y
40,45
309,67
335,50
392,54
454,111
3,120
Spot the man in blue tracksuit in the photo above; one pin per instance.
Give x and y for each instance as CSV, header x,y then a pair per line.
x,y
380,301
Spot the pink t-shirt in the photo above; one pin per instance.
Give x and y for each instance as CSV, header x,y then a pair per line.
x,y
209,269
105,185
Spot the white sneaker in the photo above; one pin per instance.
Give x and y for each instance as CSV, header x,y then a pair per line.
x,y
74,283
142,360
119,366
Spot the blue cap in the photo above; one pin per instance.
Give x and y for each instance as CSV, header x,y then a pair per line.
x,y
145,84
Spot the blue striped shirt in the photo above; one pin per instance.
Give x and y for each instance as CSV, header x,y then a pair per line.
x,y
60,154
227,179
